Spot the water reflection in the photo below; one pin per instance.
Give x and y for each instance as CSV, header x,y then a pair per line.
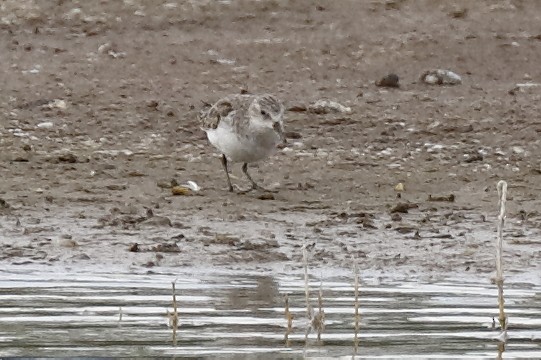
x,y
242,316
265,293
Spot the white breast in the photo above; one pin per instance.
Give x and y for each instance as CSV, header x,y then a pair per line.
x,y
242,149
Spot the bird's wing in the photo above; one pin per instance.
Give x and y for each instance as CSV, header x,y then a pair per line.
x,y
210,118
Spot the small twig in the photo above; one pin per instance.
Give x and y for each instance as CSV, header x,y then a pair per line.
x,y
357,316
501,349
173,317
318,322
309,311
289,318
502,194
306,286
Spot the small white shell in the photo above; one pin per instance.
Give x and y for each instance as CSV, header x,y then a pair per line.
x,y
193,186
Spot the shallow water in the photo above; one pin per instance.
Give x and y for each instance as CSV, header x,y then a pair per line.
x,y
240,315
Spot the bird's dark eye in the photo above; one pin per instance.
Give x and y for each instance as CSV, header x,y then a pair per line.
x,y
264,113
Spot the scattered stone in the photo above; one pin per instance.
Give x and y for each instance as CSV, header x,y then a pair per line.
x,y
305,186
116,187
21,158
56,104
338,121
403,208
258,244
459,13
125,221
297,108
169,110
81,256
35,103
157,221
4,204
226,239
167,184
367,223
68,158
399,187
327,107
469,158
111,50
518,150
441,77
68,243
447,198
45,125
40,255
266,196
153,104
390,80
178,237
405,229
166,248
114,153
292,135
442,236
73,14
26,262
396,217
136,173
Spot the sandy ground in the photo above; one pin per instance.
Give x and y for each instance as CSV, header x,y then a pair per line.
x,y
98,114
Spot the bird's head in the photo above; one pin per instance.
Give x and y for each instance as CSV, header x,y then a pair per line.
x,y
267,112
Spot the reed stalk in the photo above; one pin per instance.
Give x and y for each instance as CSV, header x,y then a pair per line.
x,y
289,318
173,317
502,194
318,321
306,294
306,285
356,304
120,316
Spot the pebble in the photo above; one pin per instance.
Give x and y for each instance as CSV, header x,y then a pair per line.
x,y
441,77
45,125
328,106
157,221
68,158
518,150
390,80
67,243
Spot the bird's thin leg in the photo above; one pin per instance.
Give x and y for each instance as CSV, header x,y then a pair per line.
x,y
226,168
254,184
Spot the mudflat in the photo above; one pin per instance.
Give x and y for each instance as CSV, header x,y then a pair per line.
x,y
98,114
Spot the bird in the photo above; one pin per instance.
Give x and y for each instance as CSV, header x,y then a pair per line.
x,y
245,128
